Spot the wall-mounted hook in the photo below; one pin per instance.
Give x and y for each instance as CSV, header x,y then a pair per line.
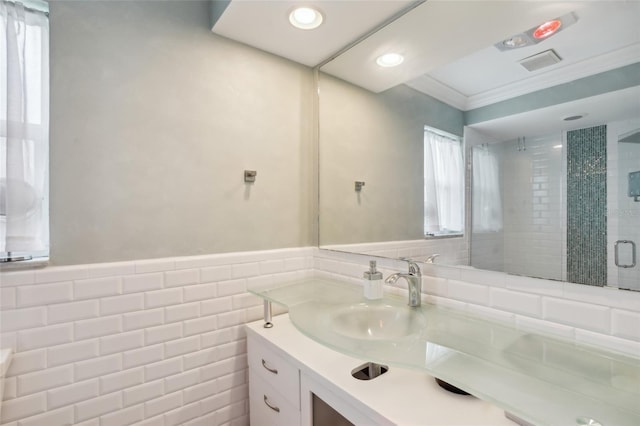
x,y
250,175
359,186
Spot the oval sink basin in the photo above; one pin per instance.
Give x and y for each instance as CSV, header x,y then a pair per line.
x,y
378,321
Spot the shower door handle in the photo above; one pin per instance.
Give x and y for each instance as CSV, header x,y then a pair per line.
x,y
633,253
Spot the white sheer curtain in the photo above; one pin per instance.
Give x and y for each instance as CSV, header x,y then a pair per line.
x,y
444,184
487,201
24,130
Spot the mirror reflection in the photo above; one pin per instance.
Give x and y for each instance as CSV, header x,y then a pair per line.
x,y
472,158
517,206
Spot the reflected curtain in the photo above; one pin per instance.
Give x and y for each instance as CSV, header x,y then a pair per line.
x,y
487,200
444,184
24,128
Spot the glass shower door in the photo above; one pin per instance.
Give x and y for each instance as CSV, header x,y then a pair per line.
x,y
626,247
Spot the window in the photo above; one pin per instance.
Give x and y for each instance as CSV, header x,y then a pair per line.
x,y
444,183
24,131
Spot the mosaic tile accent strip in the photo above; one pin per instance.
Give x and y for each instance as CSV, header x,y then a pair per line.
x,y
587,206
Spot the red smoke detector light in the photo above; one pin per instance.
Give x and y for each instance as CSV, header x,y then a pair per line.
x,y
547,29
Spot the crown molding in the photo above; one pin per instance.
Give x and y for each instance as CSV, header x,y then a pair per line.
x,y
607,62
434,88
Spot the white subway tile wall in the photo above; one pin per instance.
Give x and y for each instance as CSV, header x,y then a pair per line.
x,y
150,342
451,250
601,316
161,342
532,233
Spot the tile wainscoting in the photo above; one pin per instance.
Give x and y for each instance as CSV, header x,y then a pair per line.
x,y
160,342
151,342
450,250
593,315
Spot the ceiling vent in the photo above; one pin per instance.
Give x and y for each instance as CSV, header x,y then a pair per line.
x,y
540,60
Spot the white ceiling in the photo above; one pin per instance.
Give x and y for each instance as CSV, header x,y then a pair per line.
x,y
602,27
448,45
435,34
606,36
605,108
265,24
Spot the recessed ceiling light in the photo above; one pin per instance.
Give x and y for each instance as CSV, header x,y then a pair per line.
x,y
305,18
390,60
557,146
547,29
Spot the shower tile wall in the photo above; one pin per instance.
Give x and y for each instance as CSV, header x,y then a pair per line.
x,y
587,206
532,190
488,250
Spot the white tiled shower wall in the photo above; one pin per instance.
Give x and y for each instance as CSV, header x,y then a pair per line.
x,y
161,342
156,342
531,184
532,207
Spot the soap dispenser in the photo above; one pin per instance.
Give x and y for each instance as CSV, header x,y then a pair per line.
x,y
372,282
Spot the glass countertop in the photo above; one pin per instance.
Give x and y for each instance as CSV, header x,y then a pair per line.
x,y
541,379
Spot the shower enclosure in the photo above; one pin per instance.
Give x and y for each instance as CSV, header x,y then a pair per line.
x,y
625,186
517,207
558,206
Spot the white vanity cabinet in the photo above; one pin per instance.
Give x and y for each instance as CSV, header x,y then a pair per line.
x,y
287,368
282,386
274,389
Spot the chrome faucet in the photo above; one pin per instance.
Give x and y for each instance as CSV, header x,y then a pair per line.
x,y
414,279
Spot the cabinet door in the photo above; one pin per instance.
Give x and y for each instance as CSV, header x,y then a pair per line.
x,y
343,404
275,370
268,407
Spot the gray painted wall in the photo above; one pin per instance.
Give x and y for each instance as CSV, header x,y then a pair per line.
x,y
378,139
154,119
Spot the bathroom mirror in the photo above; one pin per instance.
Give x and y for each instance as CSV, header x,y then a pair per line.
x,y
526,206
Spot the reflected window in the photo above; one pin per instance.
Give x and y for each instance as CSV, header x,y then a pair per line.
x,y
444,183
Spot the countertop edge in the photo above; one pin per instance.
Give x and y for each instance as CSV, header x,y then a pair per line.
x,y
420,400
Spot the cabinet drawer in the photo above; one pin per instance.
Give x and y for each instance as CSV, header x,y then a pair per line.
x,y
274,370
268,407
